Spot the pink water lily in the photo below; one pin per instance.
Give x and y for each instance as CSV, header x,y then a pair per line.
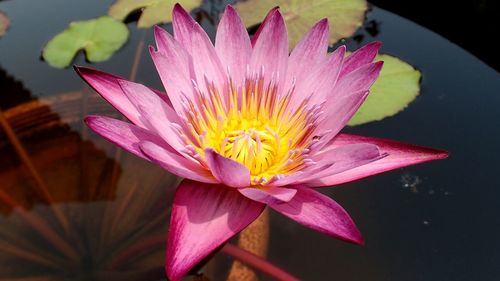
x,y
249,125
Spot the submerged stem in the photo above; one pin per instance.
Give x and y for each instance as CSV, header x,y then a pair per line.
x,y
258,263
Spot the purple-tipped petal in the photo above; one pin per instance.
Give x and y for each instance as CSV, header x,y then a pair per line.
x,y
350,92
344,158
175,67
337,115
330,74
203,218
270,52
320,82
196,42
358,80
123,134
308,55
269,194
108,86
175,163
360,57
319,212
263,24
333,161
398,155
154,113
308,66
232,44
227,171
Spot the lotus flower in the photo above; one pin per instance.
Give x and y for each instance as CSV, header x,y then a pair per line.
x,y
249,125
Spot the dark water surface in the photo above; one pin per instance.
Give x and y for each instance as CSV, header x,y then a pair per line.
x,y
438,221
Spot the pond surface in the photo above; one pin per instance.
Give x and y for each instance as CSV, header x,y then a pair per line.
x,y
438,221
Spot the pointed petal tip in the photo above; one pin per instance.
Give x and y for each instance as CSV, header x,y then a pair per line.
x,y
342,48
377,67
172,273
90,119
320,213
79,70
399,155
178,6
444,154
157,28
376,44
178,11
229,8
323,23
76,67
82,71
151,49
360,240
436,154
355,237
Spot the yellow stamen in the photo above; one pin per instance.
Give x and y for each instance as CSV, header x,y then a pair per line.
x,y
253,126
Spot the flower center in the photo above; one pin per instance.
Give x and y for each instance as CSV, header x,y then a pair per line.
x,y
253,126
254,148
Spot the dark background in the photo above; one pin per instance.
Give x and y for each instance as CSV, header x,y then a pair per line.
x,y
471,24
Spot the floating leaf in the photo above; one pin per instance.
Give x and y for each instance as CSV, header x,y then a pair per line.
x,y
4,23
154,11
344,16
397,86
100,38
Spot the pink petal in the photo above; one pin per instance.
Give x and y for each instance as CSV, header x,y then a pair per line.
x,y
174,66
268,194
317,211
350,92
308,55
270,52
333,161
358,80
330,75
320,83
107,85
175,163
360,57
337,114
398,155
233,46
227,171
264,23
123,134
196,42
156,115
344,158
203,218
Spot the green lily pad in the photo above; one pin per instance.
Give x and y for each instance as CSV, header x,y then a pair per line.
x,y
4,23
100,38
344,16
154,11
397,86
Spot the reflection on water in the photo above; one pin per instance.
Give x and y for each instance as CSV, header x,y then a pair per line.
x,y
108,212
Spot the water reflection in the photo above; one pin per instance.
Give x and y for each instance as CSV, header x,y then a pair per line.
x,y
106,214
